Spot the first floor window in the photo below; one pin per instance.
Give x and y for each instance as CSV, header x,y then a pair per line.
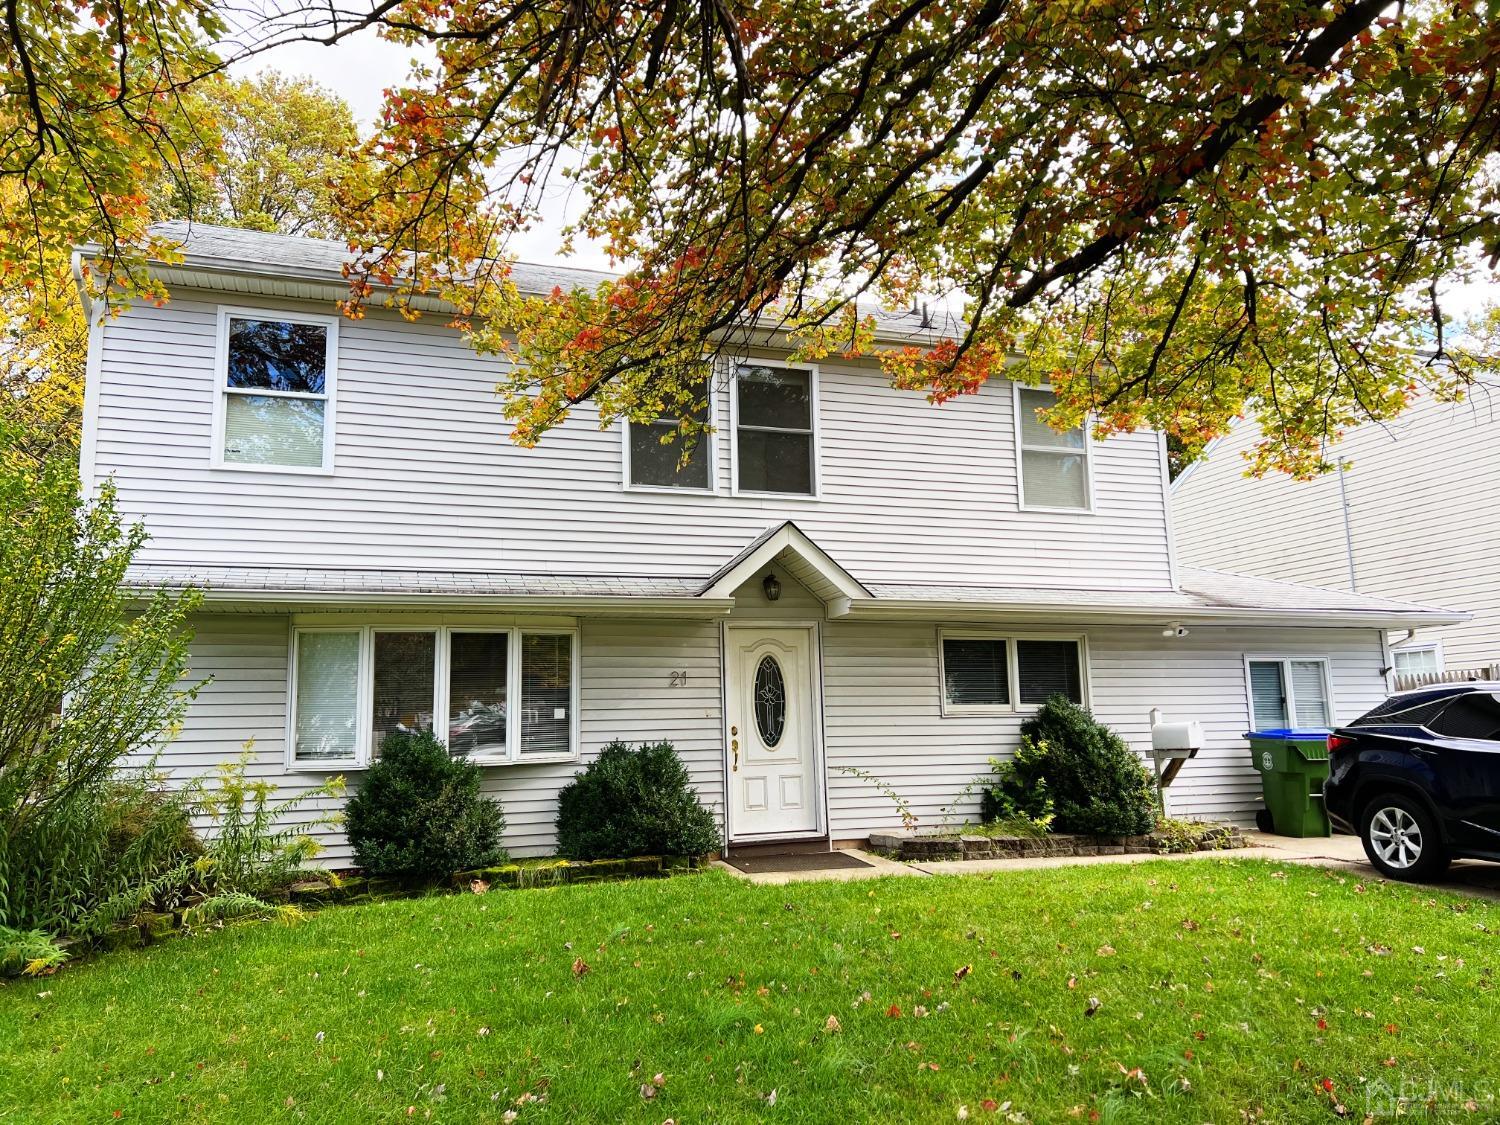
x,y
1416,661
353,687
275,383
987,673
1289,693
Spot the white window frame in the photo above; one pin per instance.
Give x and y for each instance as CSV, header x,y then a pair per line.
x,y
364,753
710,440
734,429
222,390
1012,670
1434,647
1286,663
1086,452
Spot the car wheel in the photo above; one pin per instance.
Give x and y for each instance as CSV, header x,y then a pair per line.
x,y
1402,838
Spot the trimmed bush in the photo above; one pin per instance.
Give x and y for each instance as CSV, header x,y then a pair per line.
x,y
419,812
630,802
1077,768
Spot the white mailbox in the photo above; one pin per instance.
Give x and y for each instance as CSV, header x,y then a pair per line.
x,y
1176,736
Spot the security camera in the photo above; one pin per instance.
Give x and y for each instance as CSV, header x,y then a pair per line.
x,y
1176,629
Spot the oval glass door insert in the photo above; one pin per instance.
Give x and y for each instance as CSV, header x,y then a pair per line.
x,y
770,701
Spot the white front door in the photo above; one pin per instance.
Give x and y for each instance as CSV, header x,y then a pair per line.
x,y
771,691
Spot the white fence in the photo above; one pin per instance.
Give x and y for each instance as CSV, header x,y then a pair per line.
x,y
1409,680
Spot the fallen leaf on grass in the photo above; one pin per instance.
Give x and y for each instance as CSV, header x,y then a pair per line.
x,y
965,970
580,966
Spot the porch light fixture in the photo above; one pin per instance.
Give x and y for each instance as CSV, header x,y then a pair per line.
x,y
771,587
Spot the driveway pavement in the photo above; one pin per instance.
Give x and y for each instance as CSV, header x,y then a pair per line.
x,y
1343,852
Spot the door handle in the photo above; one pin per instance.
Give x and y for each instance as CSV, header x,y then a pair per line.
x,y
735,746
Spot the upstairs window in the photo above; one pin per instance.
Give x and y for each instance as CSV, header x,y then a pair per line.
x,y
493,695
774,430
1054,466
1289,693
655,453
275,391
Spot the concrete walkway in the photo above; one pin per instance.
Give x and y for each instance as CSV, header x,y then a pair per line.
x,y
1342,852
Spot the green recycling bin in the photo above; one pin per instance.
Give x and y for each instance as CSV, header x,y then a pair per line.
x,y
1293,765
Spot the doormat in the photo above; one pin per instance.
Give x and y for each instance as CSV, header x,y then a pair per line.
x,y
817,861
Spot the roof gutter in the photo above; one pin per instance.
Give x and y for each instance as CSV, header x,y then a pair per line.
x,y
885,609
612,606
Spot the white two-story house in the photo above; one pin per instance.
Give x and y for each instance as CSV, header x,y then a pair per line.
x,y
844,578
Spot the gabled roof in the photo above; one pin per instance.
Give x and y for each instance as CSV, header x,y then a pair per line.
x,y
249,261
803,559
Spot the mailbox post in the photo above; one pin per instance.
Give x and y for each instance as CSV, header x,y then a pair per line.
x,y
1171,745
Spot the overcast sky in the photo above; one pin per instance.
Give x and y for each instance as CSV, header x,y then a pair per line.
x,y
360,69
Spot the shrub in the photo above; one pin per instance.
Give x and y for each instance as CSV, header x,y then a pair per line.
x,y
629,802
1095,784
419,812
77,828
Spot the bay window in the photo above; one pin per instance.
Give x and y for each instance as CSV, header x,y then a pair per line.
x,y
352,686
274,407
985,673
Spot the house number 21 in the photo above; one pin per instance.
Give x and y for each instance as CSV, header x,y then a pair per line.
x,y
677,679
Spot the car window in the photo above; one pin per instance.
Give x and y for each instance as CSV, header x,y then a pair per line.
x,y
1470,716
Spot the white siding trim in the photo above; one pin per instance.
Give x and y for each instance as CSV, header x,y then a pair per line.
x,y
221,393
734,430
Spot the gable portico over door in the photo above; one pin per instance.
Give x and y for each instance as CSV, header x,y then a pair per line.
x,y
775,783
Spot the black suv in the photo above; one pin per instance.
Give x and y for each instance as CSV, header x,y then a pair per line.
x,y
1418,779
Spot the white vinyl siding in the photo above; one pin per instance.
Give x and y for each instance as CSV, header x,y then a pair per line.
x,y
403,683
1289,693
276,374
1054,466
1423,501
882,693
908,491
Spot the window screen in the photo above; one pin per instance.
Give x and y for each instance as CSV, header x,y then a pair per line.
x,y
656,450
405,667
975,673
477,685
546,693
774,432
1267,695
325,728
1310,693
1048,668
1054,466
275,393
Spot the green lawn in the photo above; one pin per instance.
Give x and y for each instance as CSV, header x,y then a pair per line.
x,y
1171,991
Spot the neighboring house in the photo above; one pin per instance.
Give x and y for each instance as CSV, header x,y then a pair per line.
x,y
844,578
1413,514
